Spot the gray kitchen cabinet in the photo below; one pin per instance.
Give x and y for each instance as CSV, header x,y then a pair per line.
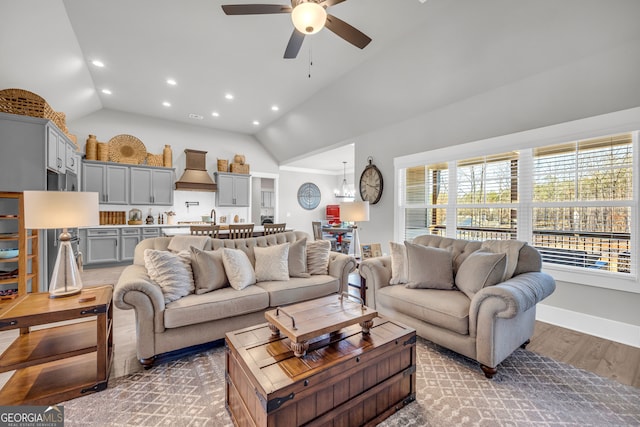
x,y
150,186
109,180
267,199
56,150
102,245
129,238
72,159
233,189
112,245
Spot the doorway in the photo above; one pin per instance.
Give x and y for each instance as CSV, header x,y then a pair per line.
x,y
263,200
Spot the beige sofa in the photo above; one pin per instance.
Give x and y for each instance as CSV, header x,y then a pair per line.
x,y
198,319
487,327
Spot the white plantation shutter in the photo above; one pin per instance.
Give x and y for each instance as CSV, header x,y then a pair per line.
x,y
574,201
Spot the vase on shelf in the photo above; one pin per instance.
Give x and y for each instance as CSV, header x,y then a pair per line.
x,y
167,156
91,149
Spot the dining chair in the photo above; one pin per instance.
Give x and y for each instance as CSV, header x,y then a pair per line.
x,y
274,228
318,234
205,230
240,231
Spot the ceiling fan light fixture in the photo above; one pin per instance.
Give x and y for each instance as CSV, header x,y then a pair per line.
x,y
308,17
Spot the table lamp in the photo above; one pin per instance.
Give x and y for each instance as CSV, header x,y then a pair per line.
x,y
354,212
61,209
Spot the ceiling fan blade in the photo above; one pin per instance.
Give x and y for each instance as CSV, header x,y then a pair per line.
x,y
329,3
255,9
295,42
347,32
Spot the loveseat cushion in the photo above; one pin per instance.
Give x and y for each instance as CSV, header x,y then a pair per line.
x,y
299,289
448,309
218,304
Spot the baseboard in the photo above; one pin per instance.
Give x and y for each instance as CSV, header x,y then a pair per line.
x,y
613,330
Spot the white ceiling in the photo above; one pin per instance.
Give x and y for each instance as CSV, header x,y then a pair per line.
x,y
423,56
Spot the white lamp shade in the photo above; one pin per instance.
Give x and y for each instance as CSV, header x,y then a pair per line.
x,y
354,211
60,209
308,18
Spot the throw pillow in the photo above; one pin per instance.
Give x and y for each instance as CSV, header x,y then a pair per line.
x,y
208,270
318,256
398,263
429,268
238,268
298,258
170,272
272,262
479,270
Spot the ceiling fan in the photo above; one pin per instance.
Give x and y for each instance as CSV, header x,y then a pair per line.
x,y
309,17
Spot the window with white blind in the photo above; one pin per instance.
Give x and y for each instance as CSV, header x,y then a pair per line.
x,y
425,198
582,203
486,197
573,201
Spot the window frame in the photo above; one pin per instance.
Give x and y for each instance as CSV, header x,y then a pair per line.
x,y
525,142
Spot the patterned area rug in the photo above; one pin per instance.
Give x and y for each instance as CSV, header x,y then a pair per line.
x,y
451,390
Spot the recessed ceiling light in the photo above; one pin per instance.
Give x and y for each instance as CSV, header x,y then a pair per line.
x,y
171,82
98,63
106,91
215,114
229,96
166,104
274,108
256,123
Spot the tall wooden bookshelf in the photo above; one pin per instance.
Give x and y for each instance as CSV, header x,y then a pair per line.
x,y
18,274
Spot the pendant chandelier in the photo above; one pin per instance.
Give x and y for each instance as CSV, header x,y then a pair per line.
x,y
345,193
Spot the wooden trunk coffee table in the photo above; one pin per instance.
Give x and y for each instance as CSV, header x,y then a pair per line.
x,y
306,320
347,378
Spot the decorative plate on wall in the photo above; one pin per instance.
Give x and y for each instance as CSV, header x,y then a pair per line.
x,y
127,149
309,196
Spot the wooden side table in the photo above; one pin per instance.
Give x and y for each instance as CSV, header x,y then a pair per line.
x,y
61,362
359,283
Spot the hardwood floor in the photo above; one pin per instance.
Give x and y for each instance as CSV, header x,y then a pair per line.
x,y
603,357
606,358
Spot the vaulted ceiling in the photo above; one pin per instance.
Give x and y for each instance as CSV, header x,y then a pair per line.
x,y
424,55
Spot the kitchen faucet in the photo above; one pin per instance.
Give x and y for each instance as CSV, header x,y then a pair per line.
x,y
213,216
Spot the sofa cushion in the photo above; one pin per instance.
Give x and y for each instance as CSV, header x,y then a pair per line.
x,y
480,269
183,243
398,263
299,289
318,256
208,270
272,262
238,268
172,272
219,304
429,268
446,309
298,258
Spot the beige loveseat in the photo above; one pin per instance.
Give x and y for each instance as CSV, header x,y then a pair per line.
x,y
486,326
201,318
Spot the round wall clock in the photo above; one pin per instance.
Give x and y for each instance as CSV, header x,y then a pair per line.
x,y
371,183
309,196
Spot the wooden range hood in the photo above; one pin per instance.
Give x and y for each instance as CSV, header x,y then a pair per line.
x,y
195,176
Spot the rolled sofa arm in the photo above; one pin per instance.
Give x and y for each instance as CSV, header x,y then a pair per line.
x,y
510,298
340,266
377,274
135,290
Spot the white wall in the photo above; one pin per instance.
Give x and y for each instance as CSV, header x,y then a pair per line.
x,y
155,133
290,211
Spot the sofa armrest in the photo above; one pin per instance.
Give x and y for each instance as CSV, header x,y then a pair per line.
x,y
340,266
135,290
509,298
377,274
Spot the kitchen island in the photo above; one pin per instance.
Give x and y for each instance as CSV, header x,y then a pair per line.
x,y
114,244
